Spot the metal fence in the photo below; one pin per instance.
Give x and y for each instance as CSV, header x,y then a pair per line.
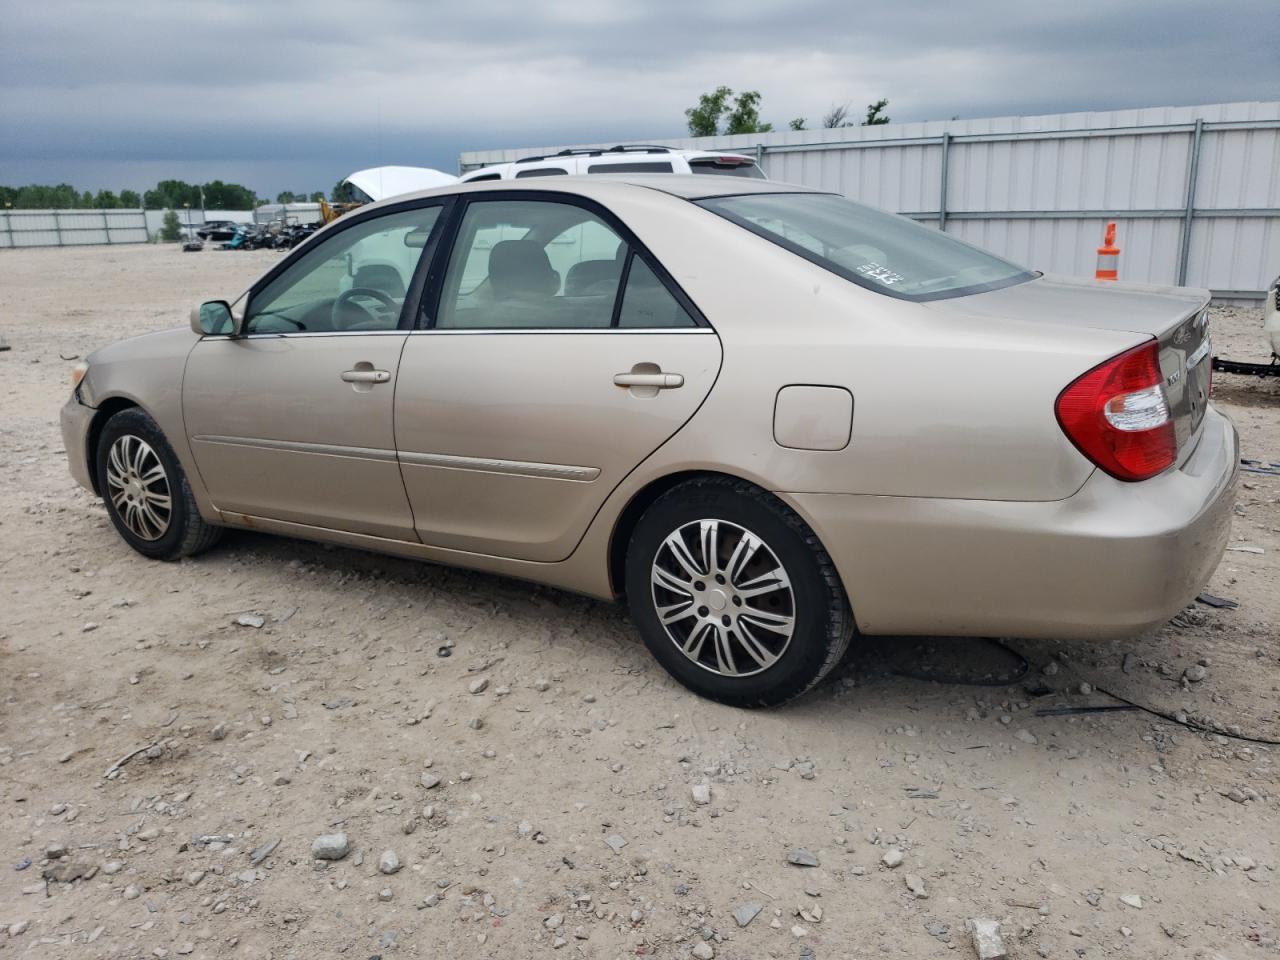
x,y
1196,190
69,228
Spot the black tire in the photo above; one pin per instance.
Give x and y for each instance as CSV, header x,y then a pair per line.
x,y
186,533
822,623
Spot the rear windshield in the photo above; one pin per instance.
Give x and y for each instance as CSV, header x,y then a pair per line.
x,y
634,166
877,250
727,167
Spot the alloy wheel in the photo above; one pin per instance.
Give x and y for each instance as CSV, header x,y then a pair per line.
x,y
139,487
723,597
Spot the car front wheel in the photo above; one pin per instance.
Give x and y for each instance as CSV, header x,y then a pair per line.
x,y
146,491
734,595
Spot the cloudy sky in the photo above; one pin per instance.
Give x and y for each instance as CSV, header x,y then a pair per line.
x,y
293,94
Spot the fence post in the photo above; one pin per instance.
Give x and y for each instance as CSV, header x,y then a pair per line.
x,y
1189,210
106,226
8,226
942,196
57,226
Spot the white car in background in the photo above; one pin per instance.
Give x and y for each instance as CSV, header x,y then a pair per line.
x,y
630,158
379,183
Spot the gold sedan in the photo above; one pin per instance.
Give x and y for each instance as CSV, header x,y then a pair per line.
x,y
770,418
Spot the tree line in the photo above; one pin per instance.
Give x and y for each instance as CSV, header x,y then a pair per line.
x,y
723,112
166,195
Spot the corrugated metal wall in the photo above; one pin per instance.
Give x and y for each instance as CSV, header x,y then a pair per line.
x,y
1040,190
66,228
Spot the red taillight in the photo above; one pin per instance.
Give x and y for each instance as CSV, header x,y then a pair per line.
x,y
1118,416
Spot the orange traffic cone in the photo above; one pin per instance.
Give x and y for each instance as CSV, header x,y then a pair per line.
x,y
1108,257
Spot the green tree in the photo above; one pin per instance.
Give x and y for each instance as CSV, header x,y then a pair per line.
x,y
8,196
130,199
797,123
342,193
741,115
228,196
105,200
317,196
745,116
704,119
875,114
171,228
286,196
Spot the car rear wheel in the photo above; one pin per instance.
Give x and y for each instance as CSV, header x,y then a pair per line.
x,y
146,491
734,595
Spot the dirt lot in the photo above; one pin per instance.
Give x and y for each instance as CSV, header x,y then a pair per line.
x,y
1105,834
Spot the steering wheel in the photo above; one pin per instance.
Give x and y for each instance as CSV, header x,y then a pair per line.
x,y
355,293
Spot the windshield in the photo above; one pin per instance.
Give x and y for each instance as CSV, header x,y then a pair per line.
x,y
877,250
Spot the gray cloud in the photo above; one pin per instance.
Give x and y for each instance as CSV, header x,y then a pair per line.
x,y
293,94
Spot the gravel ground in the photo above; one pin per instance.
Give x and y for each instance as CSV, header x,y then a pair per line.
x,y
542,786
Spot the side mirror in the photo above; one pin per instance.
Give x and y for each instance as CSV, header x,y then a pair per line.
x,y
213,319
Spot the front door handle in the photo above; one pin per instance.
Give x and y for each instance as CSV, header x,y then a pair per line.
x,y
366,376
661,381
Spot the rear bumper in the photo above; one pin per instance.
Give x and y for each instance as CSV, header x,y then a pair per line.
x,y
1112,560
75,419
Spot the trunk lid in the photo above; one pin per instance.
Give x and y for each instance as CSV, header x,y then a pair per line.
x,y
1175,316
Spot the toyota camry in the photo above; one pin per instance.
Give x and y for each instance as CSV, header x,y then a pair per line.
x,y
769,418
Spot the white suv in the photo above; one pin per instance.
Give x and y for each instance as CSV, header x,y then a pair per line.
x,y
638,158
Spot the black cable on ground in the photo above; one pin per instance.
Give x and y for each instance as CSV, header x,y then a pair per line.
x,y
1189,724
1024,667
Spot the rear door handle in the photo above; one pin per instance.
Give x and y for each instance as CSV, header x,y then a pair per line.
x,y
366,376
662,381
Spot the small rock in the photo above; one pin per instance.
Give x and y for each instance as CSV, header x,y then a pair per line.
x,y
261,853
385,894
19,928
430,781
615,842
1195,673
250,620
1132,900
703,950
219,732
892,858
388,863
747,912
479,685
800,857
541,685
1026,736
915,883
985,934
132,892
701,794
194,877
1050,668
1085,688
332,846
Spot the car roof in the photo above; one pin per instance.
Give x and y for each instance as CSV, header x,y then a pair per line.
x,y
696,186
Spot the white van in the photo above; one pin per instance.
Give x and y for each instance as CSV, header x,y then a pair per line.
x,y
637,158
